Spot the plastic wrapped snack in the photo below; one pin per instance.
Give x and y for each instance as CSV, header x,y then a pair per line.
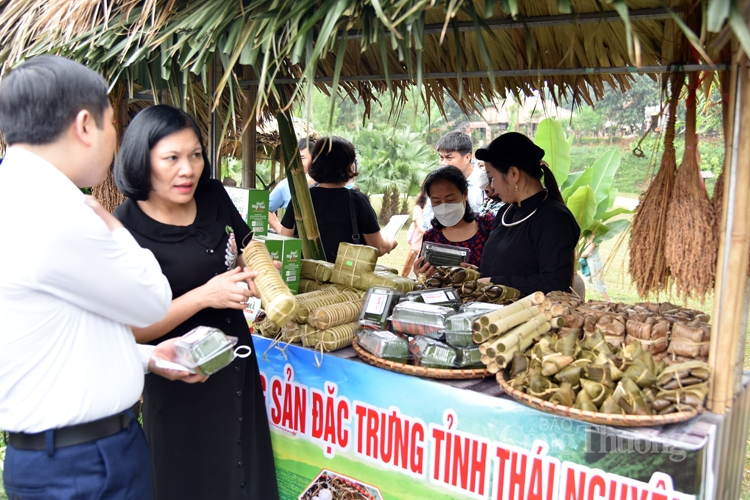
x,y
461,322
432,353
384,344
204,349
378,306
459,339
480,306
444,255
415,318
467,357
438,296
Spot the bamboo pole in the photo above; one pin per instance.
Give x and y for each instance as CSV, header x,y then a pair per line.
x,y
249,140
733,245
304,212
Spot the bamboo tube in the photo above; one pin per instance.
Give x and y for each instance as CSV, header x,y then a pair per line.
x,y
493,367
503,325
534,299
546,305
558,310
485,360
490,351
557,322
520,339
278,301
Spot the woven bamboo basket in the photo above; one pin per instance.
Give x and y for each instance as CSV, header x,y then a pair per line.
x,y
590,416
419,371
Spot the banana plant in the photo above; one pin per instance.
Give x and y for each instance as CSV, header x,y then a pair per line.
x,y
589,194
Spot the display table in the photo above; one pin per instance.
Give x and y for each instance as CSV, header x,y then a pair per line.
x,y
412,438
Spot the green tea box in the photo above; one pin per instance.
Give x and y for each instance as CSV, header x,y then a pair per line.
x,y
252,204
288,251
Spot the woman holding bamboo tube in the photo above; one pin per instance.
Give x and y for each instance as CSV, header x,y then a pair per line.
x,y
341,213
532,245
207,440
454,222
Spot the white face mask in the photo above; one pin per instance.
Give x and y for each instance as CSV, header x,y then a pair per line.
x,y
449,214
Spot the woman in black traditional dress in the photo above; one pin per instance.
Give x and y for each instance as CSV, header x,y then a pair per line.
x,y
532,244
207,440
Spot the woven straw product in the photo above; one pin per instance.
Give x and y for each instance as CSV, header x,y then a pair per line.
x,y
351,262
307,305
324,318
611,419
268,328
420,371
336,338
309,335
318,270
278,301
388,280
306,286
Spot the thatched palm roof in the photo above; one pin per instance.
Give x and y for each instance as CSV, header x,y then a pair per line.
x,y
357,45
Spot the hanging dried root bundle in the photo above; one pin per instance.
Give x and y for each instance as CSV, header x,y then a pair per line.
x,y
690,246
648,264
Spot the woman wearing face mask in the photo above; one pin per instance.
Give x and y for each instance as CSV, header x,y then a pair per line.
x,y
454,222
532,245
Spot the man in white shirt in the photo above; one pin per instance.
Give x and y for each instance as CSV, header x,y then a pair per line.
x,y
455,149
72,280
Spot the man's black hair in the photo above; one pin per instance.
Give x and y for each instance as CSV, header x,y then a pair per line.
x,y
332,159
40,99
455,141
306,143
133,162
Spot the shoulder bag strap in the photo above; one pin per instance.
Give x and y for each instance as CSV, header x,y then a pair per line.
x,y
353,212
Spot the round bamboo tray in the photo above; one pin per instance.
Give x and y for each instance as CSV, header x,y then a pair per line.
x,y
610,419
419,371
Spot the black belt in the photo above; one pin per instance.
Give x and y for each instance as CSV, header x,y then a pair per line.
x,y
72,435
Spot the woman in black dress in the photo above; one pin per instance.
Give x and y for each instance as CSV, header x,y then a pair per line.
x,y
207,440
332,168
532,244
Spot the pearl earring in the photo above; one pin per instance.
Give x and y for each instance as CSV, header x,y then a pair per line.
x,y
516,187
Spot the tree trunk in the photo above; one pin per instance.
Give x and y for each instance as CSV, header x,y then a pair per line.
x,y
390,205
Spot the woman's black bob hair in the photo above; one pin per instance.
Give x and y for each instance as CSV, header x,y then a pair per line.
x,y
133,163
332,160
453,175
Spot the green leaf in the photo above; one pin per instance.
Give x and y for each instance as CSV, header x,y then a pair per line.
x,y
615,228
739,27
572,177
582,204
583,180
718,11
550,136
604,169
605,216
612,197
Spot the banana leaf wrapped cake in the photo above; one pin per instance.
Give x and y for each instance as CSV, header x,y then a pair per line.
x,y
316,270
386,279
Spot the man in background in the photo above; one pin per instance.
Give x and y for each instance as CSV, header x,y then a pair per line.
x,y
280,195
72,280
455,148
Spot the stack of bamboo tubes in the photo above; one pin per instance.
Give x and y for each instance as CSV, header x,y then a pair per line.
x,y
514,328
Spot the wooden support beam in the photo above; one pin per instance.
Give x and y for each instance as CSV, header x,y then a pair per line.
x,y
249,143
731,272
